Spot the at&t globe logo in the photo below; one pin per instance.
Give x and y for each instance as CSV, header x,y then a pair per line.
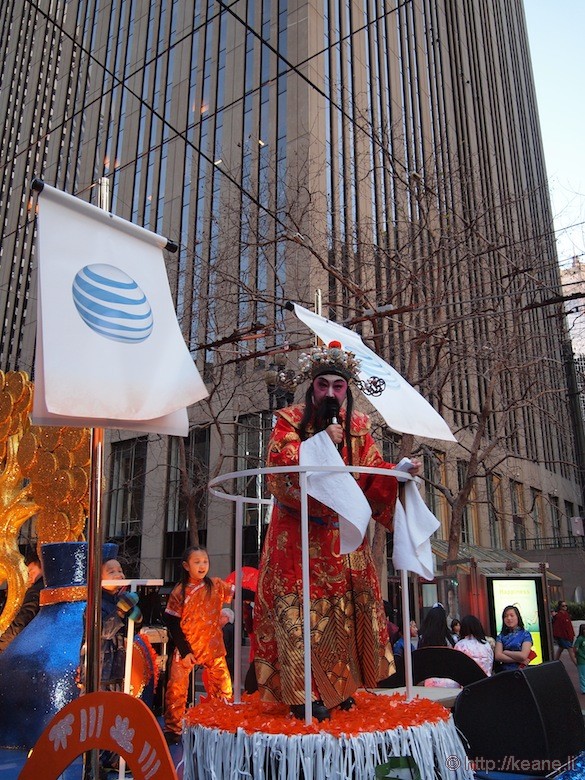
x,y
112,304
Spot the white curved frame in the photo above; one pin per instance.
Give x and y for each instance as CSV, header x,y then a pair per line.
x,y
302,471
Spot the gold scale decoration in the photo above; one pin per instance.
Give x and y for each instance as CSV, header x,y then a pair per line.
x,y
44,471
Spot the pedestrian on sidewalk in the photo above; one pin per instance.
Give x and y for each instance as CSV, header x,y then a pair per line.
x,y
579,650
563,632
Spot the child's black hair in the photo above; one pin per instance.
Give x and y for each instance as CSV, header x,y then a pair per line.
x,y
471,626
185,574
31,556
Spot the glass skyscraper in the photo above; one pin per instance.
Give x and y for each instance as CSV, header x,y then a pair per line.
x,y
386,154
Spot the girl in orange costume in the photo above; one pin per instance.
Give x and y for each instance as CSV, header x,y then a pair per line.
x,y
192,617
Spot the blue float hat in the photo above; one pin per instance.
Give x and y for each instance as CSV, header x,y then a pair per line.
x,y
65,563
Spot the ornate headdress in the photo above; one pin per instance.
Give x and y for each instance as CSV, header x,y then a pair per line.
x,y
333,359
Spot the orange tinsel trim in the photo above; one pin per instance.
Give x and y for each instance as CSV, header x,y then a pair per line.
x,y
371,713
153,657
144,665
67,593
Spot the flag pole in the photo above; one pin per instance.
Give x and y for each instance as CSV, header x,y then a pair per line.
x,y
93,612
95,537
95,530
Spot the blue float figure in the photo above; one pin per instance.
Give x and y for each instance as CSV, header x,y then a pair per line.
x,y
38,669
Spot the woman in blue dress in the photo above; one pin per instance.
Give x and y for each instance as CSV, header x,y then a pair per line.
x,y
513,643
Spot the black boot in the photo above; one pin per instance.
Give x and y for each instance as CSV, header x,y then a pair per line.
x,y
318,710
172,738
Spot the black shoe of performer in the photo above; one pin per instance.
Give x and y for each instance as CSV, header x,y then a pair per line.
x,y
172,738
318,710
347,704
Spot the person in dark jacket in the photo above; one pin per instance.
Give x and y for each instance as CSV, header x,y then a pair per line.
x,y
30,603
563,632
226,621
118,606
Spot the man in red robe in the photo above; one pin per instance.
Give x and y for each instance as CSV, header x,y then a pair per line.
x,y
349,637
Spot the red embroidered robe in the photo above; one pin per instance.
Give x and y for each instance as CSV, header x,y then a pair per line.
x,y
349,638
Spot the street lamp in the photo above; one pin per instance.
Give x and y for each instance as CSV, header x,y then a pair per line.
x,y
279,383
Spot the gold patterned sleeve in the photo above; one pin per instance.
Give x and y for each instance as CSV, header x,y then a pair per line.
x,y
283,450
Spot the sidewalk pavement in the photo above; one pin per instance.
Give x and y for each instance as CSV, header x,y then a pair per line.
x,y
574,675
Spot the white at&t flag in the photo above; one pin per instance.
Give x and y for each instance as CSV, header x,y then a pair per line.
x,y
109,351
403,408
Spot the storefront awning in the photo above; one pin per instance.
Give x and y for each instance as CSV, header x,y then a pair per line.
x,y
488,561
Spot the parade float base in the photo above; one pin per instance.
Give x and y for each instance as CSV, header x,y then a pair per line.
x,y
254,740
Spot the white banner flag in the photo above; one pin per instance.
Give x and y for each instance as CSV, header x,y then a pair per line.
x,y
337,490
402,407
413,529
110,352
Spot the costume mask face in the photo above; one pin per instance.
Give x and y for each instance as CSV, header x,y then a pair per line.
x,y
329,385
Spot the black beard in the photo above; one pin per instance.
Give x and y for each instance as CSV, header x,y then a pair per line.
x,y
326,412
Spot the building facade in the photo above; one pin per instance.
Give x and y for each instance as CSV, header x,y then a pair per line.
x,y
386,155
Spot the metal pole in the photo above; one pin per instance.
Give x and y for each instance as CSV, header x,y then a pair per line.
x,y
93,611
546,607
405,614
319,301
238,603
95,536
406,633
127,675
306,595
318,309
474,600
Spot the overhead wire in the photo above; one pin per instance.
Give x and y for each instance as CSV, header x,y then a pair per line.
x,y
120,82
161,118
181,134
